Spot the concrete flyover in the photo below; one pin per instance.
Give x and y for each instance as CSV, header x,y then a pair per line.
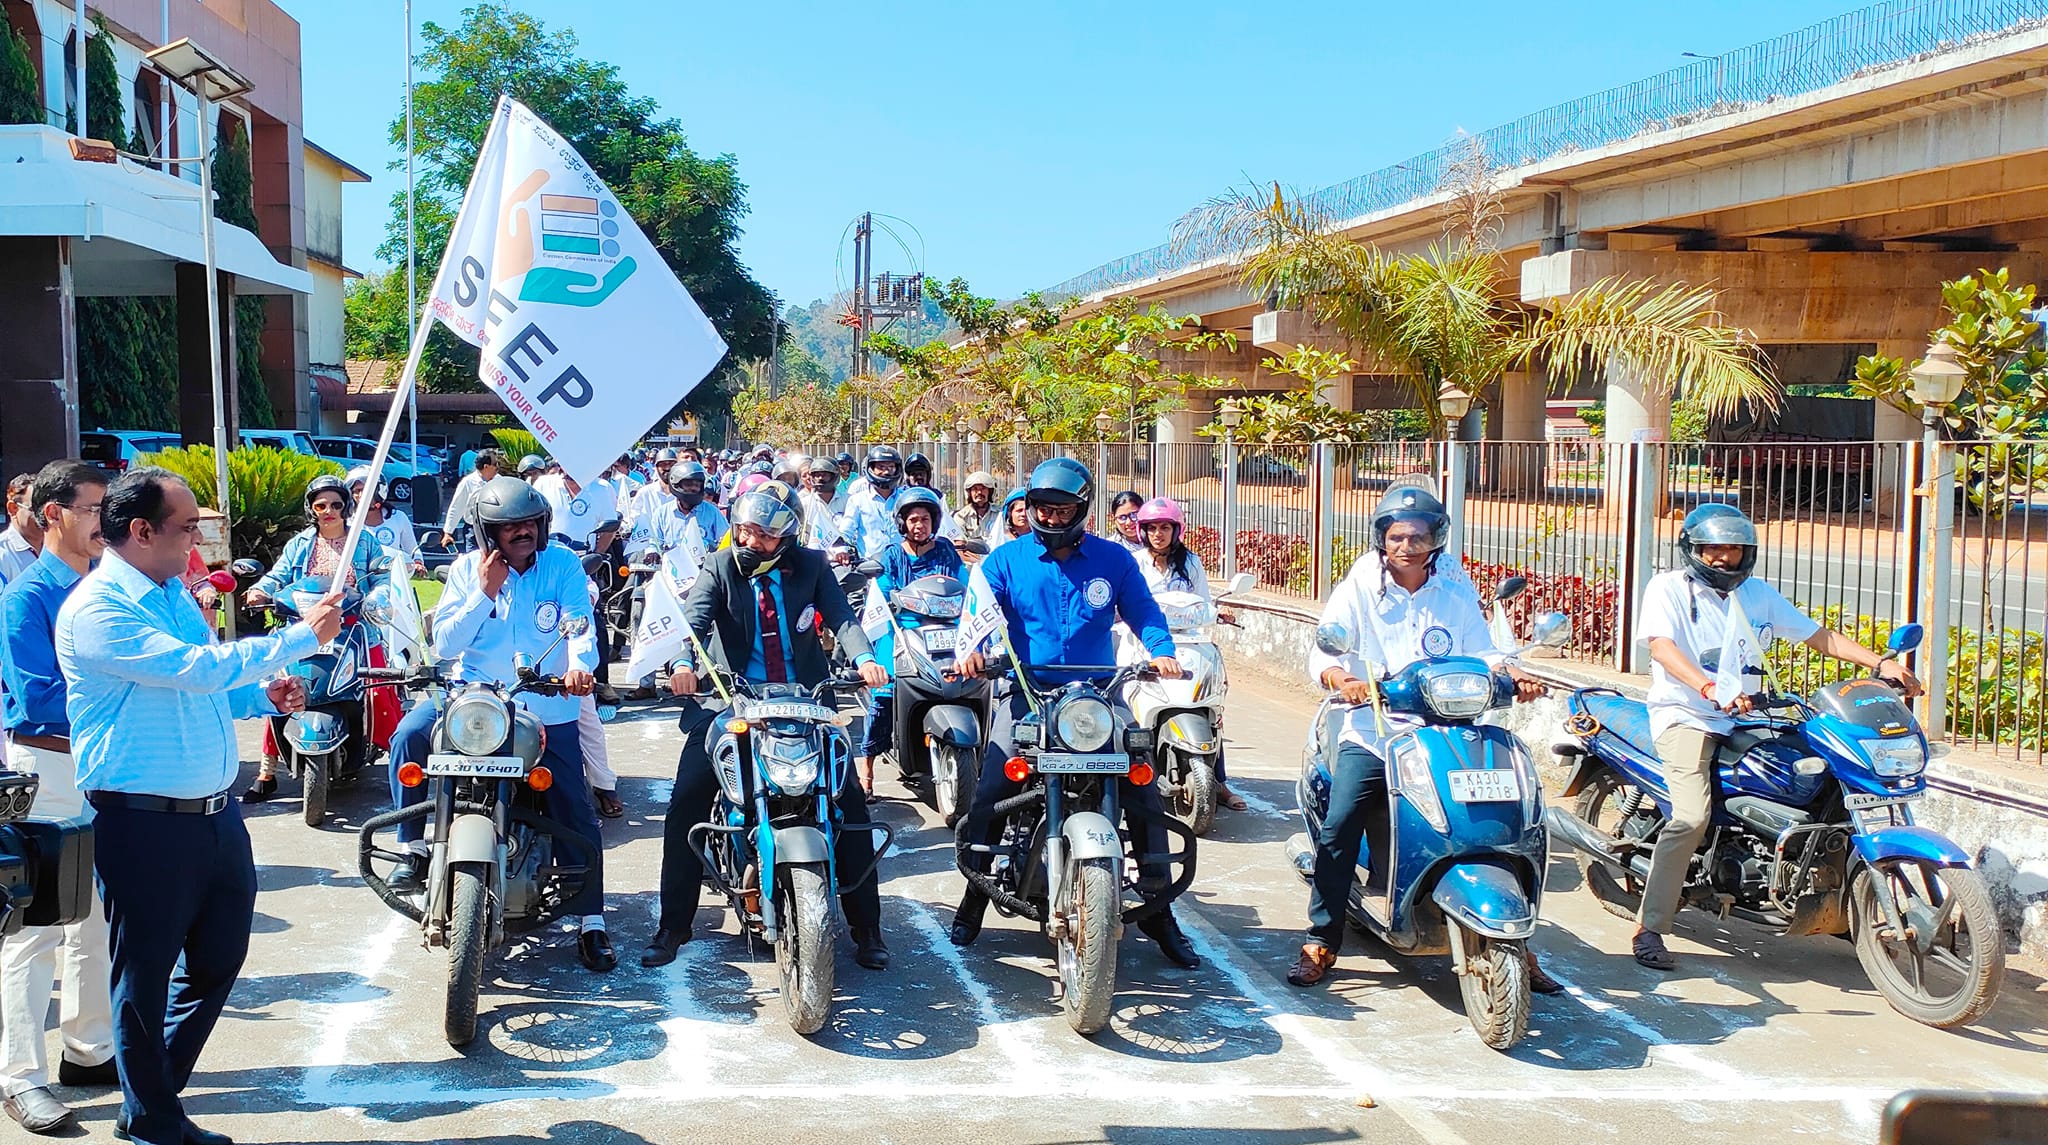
x,y
1826,182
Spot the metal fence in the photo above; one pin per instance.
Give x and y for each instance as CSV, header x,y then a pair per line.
x,y
1997,596
1540,510
1848,46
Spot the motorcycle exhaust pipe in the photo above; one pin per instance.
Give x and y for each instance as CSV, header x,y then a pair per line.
x,y
1569,828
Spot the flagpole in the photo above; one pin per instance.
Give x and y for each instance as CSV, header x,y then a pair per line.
x,y
412,302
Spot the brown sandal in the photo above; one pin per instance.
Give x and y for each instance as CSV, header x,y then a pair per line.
x,y
1316,961
1231,800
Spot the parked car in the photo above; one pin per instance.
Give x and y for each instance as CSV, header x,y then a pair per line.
x,y
114,450
353,451
296,440
426,463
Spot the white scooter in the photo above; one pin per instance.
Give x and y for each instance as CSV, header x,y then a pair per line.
x,y
1185,715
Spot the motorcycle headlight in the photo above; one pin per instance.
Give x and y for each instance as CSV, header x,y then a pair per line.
x,y
477,723
1458,695
789,764
1084,723
1897,758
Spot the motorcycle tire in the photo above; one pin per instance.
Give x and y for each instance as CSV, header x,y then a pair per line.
x,y
1623,897
316,774
803,950
950,787
1087,956
468,929
1968,947
1196,805
1495,986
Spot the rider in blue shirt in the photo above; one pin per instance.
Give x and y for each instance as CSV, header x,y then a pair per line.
x,y
921,553
1060,598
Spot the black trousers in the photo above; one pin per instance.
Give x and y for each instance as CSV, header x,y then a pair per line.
x,y
180,896
696,790
1142,806
1357,812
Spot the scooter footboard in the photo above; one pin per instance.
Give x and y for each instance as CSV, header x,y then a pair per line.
x,y
1153,899
1485,899
966,849
368,850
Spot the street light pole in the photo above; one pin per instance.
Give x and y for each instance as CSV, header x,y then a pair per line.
x,y
1454,402
1937,382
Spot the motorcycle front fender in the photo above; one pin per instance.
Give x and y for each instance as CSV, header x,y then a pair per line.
x,y
1918,844
1090,835
1191,732
799,845
473,839
952,725
315,732
1486,900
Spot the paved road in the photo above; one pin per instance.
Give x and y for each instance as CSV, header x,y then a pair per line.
x,y
334,1032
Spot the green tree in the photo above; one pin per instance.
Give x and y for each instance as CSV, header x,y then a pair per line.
x,y
21,98
689,206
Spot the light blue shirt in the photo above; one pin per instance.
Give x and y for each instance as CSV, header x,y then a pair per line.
x,y
868,526
484,636
665,527
152,695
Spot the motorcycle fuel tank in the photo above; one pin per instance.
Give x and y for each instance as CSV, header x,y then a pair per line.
x,y
1779,768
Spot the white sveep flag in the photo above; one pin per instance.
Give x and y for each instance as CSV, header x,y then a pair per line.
x,y
661,635
587,335
982,618
1742,655
1501,629
874,612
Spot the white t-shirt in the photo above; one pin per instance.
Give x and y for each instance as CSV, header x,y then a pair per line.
x,y
1392,628
577,515
395,533
1694,617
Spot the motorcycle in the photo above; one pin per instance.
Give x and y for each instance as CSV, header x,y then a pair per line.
x,y
1185,714
1060,854
329,742
940,716
496,861
781,758
1812,833
1460,870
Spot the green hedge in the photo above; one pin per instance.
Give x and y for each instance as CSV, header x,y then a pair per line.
x,y
266,486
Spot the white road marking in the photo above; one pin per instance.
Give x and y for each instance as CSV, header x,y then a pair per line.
x,y
351,1009
1025,1066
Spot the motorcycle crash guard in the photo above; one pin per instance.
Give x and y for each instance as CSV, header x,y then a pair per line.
x,y
473,839
1190,732
1486,900
800,844
952,725
1090,835
1915,843
315,732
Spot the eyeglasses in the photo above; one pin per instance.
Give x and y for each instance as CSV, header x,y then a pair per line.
x,y
82,510
1130,516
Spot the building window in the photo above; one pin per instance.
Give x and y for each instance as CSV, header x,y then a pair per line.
x,y
147,130
71,123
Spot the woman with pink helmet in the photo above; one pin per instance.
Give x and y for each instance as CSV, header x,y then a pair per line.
x,y
1170,566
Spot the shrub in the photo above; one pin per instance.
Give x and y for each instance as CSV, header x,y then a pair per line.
x,y
517,443
1587,601
266,486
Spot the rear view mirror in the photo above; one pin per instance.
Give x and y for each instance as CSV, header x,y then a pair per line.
x,y
1240,584
1906,637
222,580
1333,639
246,569
610,525
869,569
973,548
574,626
1552,630
1510,588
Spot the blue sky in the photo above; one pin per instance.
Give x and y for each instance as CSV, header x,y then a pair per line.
x,y
1028,142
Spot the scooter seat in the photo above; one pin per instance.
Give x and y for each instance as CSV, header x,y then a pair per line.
x,y
1619,715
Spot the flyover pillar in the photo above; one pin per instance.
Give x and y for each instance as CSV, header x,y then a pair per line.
x,y
1183,454
1637,411
1516,420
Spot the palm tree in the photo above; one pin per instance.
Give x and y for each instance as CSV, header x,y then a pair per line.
x,y
1442,316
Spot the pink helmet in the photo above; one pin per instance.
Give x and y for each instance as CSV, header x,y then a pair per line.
x,y
748,484
1162,509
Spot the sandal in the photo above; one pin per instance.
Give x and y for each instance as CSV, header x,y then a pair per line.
x,y
1540,981
261,791
608,804
1231,800
1651,952
1316,961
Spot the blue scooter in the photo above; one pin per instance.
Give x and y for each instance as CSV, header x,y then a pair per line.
x,y
1812,833
1460,870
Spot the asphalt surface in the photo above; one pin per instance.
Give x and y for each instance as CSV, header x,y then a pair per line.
x,y
333,1033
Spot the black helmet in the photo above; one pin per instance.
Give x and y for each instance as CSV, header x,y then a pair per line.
x,y
327,483
1060,481
665,455
822,464
687,471
1717,524
502,501
883,455
918,463
532,463
1414,502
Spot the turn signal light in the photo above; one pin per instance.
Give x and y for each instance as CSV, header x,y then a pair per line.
x,y
411,775
540,779
1141,774
1016,769
736,727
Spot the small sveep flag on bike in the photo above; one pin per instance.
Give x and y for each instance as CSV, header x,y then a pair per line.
x,y
982,618
874,612
1742,655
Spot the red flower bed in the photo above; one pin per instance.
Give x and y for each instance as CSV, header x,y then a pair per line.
x,y
1589,603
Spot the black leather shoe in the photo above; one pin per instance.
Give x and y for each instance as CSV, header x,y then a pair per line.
x,y
261,791
868,948
661,949
83,1076
967,918
193,1134
408,877
1165,930
38,1110
595,948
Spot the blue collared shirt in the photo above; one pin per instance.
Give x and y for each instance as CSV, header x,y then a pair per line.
x,y
33,699
757,664
1061,612
485,636
153,697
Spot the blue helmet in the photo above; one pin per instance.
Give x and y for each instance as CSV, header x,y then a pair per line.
x,y
916,496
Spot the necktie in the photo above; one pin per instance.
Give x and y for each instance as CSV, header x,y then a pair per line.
x,y
771,634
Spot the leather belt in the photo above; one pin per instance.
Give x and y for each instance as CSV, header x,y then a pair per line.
x,y
129,801
59,744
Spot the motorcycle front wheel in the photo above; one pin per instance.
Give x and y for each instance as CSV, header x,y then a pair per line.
x,y
1195,804
1087,955
316,774
1946,970
803,948
468,930
1495,986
